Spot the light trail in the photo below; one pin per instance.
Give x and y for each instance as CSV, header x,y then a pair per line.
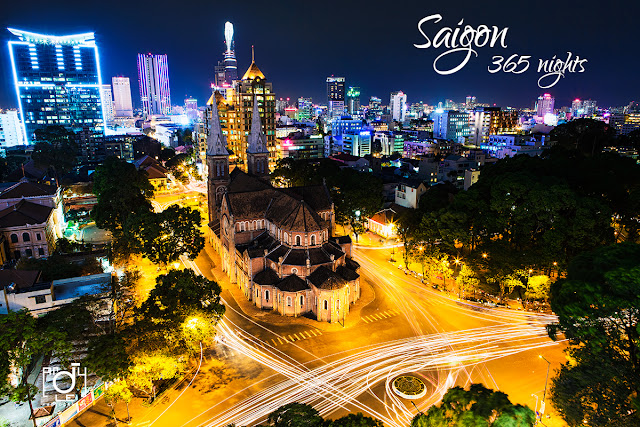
x,y
440,357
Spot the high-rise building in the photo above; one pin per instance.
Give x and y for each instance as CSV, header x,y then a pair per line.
x,y
305,109
153,78
335,95
375,108
545,105
218,76
398,106
107,103
586,108
353,100
11,131
230,63
122,97
485,121
451,124
236,110
470,102
57,80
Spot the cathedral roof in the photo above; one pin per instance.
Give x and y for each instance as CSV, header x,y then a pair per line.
x,y
253,72
257,140
251,198
216,140
266,277
301,218
325,278
292,283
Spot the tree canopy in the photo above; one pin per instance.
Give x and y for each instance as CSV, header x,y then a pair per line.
x,y
55,148
121,190
598,308
163,237
477,406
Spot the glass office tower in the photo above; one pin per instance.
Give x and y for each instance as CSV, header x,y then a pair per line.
x,y
57,80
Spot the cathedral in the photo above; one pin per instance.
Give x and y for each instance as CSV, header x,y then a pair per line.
x,y
276,244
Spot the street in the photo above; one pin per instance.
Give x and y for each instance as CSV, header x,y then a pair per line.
x,y
262,361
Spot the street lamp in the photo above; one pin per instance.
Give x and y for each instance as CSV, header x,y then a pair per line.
x,y
544,395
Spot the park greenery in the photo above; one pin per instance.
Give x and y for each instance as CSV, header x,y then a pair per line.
x,y
526,217
124,208
598,309
477,406
304,415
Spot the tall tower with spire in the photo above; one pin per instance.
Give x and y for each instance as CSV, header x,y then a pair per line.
x,y
257,152
217,159
230,63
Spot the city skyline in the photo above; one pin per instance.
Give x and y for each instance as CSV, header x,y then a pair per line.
x,y
366,64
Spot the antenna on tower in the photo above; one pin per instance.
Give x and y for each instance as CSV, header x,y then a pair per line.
x,y
253,55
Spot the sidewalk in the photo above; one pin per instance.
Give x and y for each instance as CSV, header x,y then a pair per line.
x,y
367,296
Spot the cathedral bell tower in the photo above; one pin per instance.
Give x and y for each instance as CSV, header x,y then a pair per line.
x,y
257,152
217,160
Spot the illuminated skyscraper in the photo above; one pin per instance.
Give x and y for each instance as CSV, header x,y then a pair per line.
x,y
335,95
545,105
122,97
398,105
107,103
153,78
353,100
230,63
237,110
57,81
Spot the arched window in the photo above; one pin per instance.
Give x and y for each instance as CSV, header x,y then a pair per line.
x,y
337,304
28,252
326,305
251,226
301,300
286,238
298,240
313,239
14,238
257,293
288,301
26,237
266,295
294,271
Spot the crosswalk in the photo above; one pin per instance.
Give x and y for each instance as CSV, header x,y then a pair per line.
x,y
299,336
380,316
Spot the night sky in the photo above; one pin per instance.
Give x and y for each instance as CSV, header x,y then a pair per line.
x,y
299,43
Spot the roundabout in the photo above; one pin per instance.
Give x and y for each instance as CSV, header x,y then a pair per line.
x,y
409,387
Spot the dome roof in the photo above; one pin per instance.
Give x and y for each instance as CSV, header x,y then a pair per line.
x,y
253,72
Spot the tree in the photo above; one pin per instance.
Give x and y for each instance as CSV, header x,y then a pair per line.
x,y
107,356
467,280
117,391
181,293
164,236
587,136
55,148
598,309
295,415
356,420
21,342
478,406
538,287
121,190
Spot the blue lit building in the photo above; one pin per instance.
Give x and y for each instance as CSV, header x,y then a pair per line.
x,y
356,143
57,81
344,125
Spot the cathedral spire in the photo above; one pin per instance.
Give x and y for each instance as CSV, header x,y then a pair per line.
x,y
257,139
216,141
